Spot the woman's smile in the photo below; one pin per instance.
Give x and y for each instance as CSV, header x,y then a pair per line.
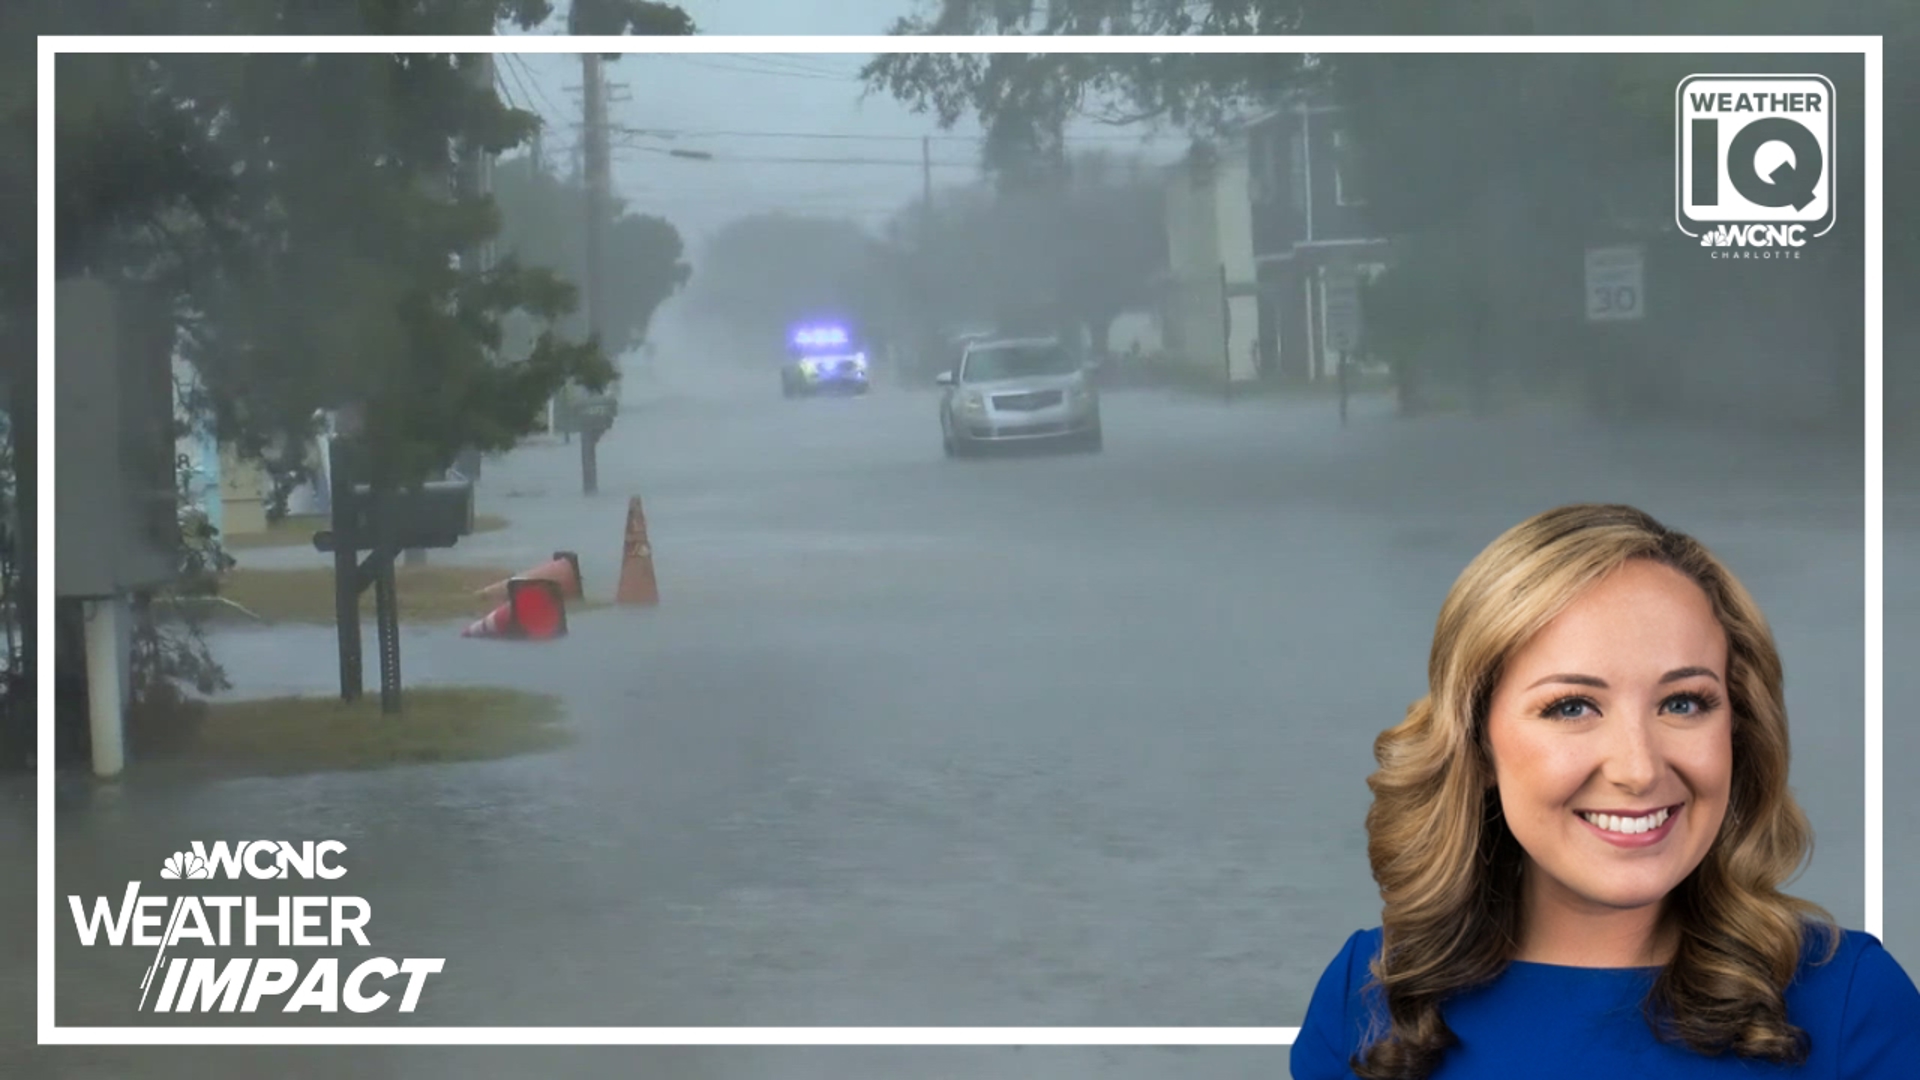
x,y
1612,744
1632,829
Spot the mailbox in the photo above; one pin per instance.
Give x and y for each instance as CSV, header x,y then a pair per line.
x,y
435,516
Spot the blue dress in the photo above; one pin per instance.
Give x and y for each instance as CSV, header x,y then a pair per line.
x,y
1860,1011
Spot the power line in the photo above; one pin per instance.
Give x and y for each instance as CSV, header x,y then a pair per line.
x,y
851,161
657,202
503,72
540,89
504,93
777,65
677,132
840,135
791,62
773,72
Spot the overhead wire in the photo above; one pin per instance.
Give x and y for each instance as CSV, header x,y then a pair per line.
x,y
842,135
539,87
746,70
847,162
511,72
787,61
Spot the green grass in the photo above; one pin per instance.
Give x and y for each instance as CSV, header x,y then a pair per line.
x,y
428,593
298,532
305,595
294,735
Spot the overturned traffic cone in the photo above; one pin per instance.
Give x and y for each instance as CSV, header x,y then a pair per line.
x,y
563,570
535,611
637,584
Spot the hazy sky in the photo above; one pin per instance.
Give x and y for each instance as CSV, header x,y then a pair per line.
x,y
745,107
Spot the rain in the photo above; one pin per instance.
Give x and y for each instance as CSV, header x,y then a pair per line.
x,y
971,516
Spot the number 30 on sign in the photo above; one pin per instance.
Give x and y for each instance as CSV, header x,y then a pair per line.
x,y
1616,284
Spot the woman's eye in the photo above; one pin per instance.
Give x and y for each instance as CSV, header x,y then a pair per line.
x,y
1570,709
1688,704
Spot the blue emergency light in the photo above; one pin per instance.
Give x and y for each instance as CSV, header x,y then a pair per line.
x,y
820,336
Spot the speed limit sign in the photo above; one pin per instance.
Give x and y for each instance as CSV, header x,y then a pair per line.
x,y
1616,284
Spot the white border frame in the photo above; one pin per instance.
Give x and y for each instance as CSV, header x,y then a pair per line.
x,y
1869,48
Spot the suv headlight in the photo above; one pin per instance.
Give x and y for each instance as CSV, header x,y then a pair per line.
x,y
972,401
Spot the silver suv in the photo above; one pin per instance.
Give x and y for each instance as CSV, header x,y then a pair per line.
x,y
1018,390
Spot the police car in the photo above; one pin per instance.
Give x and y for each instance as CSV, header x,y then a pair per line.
x,y
823,360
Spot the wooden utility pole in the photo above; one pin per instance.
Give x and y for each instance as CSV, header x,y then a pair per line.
x,y
596,151
930,305
926,175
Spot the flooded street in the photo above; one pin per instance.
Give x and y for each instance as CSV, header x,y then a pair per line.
x,y
1050,740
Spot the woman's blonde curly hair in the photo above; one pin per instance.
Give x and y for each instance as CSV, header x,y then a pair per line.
x,y
1449,869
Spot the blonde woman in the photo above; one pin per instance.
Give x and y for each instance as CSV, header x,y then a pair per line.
x,y
1580,836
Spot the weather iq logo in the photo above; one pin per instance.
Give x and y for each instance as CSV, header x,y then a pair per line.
x,y
1754,162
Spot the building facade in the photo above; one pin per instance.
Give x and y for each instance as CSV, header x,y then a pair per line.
x,y
1311,236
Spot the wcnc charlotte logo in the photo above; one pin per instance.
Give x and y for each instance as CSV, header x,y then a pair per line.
x,y
1753,163
175,984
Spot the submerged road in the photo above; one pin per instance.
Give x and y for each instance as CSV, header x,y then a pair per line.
x,y
1050,740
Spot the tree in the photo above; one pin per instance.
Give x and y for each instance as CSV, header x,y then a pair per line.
x,y
1075,248
1112,220
760,274
1498,141
303,215
333,268
299,215
542,223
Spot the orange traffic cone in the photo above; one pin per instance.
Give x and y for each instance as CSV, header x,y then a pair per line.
x,y
539,608
498,623
563,569
535,611
637,584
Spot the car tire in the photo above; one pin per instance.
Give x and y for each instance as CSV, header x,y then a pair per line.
x,y
956,447
1092,442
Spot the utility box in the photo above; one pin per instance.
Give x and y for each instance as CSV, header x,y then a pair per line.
x,y
116,515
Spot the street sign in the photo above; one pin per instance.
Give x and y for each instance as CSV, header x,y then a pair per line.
x,y
1340,307
1616,284
576,410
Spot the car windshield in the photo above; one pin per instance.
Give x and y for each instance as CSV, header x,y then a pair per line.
x,y
1017,362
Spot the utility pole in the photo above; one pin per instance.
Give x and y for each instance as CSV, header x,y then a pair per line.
x,y
596,153
929,304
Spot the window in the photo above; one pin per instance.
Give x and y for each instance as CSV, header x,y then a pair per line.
x,y
1016,361
1346,185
